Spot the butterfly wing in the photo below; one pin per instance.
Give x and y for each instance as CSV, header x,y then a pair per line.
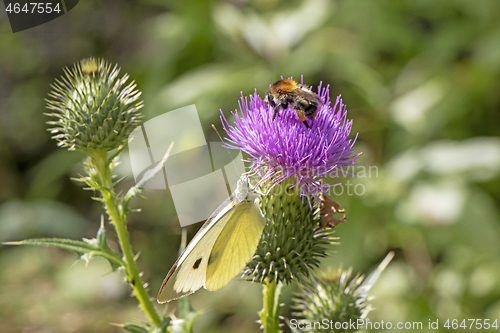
x,y
235,245
189,271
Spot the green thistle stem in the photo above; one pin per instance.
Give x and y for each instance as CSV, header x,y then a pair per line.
x,y
269,315
118,219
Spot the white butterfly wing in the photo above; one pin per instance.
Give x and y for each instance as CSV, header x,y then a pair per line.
x,y
235,245
189,271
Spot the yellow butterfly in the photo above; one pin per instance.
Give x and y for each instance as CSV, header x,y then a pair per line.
x,y
221,248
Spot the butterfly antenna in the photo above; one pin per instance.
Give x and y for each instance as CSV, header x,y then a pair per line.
x,y
232,160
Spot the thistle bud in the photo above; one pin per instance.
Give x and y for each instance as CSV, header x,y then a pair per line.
x,y
335,296
92,111
292,241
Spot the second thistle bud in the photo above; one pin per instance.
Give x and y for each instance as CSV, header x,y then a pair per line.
x,y
334,296
93,111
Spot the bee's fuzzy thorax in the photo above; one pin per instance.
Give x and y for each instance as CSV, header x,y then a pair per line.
x,y
284,86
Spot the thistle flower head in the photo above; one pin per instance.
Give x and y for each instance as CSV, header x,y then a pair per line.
x,y
284,148
92,110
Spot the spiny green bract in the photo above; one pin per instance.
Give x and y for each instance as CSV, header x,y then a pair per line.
x,y
292,241
334,296
93,112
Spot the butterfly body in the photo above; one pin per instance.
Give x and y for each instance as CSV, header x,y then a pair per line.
x,y
220,249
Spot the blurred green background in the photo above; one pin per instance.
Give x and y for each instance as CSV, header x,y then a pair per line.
x,y
421,80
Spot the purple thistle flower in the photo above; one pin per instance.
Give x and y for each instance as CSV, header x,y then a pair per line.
x,y
285,149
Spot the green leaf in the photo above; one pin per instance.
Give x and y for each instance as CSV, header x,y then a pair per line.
x,y
188,314
23,219
101,235
48,173
373,277
85,249
134,328
164,327
114,154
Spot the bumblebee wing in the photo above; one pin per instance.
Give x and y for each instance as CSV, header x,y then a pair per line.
x,y
307,95
235,245
189,271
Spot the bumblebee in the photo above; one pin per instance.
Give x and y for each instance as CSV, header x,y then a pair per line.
x,y
284,93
